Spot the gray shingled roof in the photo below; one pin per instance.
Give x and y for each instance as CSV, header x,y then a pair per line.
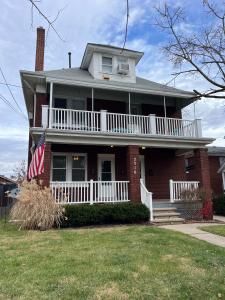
x,y
77,74
216,151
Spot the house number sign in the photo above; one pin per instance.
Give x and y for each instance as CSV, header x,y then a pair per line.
x,y
135,165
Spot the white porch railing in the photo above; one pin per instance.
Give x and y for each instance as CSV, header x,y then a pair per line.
x,y
178,127
146,198
90,192
123,123
76,120
103,121
178,187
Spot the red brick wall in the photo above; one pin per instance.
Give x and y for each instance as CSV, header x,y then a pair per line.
x,y
133,173
200,171
161,165
216,179
42,99
45,177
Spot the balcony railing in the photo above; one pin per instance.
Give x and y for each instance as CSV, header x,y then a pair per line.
x,y
113,123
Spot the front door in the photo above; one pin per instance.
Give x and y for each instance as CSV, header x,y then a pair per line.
x,y
106,174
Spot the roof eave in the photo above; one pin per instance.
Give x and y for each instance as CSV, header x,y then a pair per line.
x,y
118,88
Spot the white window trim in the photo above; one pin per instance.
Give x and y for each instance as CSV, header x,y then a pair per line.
x,y
107,56
69,164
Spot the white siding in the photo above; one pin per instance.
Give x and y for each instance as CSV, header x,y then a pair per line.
x,y
95,69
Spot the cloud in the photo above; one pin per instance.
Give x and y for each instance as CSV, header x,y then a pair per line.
x,y
99,21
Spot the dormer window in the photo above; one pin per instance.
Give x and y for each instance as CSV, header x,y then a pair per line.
x,y
106,64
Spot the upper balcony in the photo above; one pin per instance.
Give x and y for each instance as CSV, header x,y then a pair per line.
x,y
103,122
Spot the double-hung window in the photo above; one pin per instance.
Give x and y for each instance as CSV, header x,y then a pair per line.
x,y
78,168
69,167
106,64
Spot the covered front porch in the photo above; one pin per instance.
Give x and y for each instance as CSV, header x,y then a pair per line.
x,y
97,174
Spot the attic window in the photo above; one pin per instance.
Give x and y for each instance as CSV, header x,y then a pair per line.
x,y
106,64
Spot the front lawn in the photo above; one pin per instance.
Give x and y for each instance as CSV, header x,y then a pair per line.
x,y
130,262
217,229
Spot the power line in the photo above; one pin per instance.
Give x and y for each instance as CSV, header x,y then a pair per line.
x,y
126,28
10,90
11,106
10,84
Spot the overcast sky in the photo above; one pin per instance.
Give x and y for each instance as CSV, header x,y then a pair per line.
x,y
82,21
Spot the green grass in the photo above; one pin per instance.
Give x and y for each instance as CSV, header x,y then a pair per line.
x,y
130,262
217,229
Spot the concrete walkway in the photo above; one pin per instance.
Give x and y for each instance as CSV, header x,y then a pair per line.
x,y
219,218
194,231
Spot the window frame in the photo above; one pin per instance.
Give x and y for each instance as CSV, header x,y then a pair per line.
x,y
107,56
69,164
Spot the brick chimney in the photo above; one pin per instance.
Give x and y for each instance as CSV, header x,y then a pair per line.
x,y
40,49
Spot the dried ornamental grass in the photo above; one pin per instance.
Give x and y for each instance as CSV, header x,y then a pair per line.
x,y
36,207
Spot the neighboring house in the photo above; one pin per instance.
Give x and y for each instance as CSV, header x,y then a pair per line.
x,y
104,123
217,169
6,185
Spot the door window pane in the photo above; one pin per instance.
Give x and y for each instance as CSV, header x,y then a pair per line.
x,y
106,170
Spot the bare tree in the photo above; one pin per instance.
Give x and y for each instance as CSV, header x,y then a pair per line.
x,y
50,23
201,53
20,172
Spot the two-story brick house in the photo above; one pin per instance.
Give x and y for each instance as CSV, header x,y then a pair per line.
x,y
106,128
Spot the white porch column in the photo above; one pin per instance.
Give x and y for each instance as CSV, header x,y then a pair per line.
x,y
171,190
44,116
50,104
92,99
103,124
152,123
129,107
198,127
91,192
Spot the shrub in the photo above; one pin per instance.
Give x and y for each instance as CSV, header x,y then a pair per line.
x,y
122,213
219,205
192,194
35,207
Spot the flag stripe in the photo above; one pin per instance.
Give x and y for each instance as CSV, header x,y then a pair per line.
x,y
37,162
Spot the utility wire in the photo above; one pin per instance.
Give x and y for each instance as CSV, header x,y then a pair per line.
x,y
10,90
10,84
12,107
126,28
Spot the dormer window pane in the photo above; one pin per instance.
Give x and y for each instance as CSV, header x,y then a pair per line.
x,y
106,64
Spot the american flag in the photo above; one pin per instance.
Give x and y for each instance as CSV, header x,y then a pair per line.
x,y
37,163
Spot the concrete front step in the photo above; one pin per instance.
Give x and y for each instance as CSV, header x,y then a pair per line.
x,y
166,214
164,209
168,220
